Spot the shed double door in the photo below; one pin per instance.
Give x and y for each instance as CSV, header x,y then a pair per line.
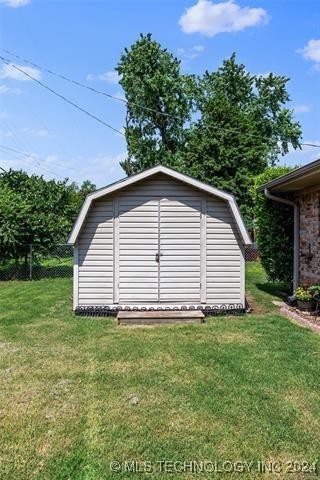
x,y
159,255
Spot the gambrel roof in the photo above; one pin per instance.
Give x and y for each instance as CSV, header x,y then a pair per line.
x,y
172,174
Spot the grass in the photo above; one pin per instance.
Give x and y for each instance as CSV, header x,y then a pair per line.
x,y
233,389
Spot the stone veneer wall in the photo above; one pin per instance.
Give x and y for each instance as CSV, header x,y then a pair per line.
x,y
309,238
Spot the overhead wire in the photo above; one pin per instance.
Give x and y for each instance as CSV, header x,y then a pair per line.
x,y
75,105
30,156
106,94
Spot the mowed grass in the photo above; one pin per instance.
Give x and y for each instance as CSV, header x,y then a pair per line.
x,y
233,389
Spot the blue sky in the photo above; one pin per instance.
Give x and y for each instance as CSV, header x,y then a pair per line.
x,y
84,40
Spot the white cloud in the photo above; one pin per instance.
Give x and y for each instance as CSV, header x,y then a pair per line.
x,y
5,89
111,76
211,18
14,3
190,53
8,71
302,108
3,114
311,51
37,133
101,170
43,133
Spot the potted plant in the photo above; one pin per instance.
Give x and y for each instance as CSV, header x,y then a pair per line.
x,y
304,298
315,292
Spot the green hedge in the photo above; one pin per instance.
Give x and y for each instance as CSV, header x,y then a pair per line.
x,y
274,228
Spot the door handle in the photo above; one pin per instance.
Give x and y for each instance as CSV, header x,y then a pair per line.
x,y
158,255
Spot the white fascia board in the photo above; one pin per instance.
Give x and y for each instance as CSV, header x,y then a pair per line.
x,y
171,173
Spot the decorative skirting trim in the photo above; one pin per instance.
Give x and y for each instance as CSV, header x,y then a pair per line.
x,y
208,310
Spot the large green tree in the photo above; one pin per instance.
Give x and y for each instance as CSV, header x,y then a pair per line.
x,y
223,128
243,127
151,78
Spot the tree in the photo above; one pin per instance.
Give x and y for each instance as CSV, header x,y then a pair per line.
x,y
33,210
81,192
150,77
222,128
243,127
274,227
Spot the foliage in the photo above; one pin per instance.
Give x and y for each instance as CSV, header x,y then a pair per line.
x,y
307,293
243,127
315,291
303,294
274,228
33,210
150,76
227,126
85,189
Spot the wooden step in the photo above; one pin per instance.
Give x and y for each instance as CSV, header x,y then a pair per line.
x,y
158,317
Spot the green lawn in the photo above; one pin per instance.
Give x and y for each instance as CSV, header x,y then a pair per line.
x,y
233,389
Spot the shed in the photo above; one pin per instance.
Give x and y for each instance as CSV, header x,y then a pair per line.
x,y
159,239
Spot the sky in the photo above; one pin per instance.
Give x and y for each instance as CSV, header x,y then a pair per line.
x,y
83,40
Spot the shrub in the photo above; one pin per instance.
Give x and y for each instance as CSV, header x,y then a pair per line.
x,y
315,291
303,294
274,229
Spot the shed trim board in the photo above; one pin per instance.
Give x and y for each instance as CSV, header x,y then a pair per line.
x,y
203,251
75,277
161,242
147,173
116,250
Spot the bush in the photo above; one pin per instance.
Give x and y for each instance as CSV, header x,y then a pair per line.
x,y
274,227
36,211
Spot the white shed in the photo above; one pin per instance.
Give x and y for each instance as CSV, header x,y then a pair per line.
x,y
159,239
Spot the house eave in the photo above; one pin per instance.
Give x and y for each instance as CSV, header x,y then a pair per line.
x,y
297,180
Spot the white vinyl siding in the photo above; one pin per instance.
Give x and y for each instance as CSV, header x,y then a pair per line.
x,y
138,270
224,255
202,255
180,250
95,256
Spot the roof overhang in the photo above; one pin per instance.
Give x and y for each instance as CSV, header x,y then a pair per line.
x,y
148,173
299,179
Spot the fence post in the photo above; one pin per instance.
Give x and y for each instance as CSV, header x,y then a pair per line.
x,y
30,262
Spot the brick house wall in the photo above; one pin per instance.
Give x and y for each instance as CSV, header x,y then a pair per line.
x,y
309,270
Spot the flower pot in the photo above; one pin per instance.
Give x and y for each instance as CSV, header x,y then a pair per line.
x,y
305,305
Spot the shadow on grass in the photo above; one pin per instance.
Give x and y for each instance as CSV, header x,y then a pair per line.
x,y
280,290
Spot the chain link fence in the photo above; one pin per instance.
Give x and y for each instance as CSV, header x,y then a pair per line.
x,y
38,262
251,253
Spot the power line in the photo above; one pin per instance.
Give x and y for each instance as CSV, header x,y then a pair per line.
x,y
92,89
82,85
21,143
310,145
75,105
29,155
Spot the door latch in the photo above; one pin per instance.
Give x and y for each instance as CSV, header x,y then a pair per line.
x,y
158,255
